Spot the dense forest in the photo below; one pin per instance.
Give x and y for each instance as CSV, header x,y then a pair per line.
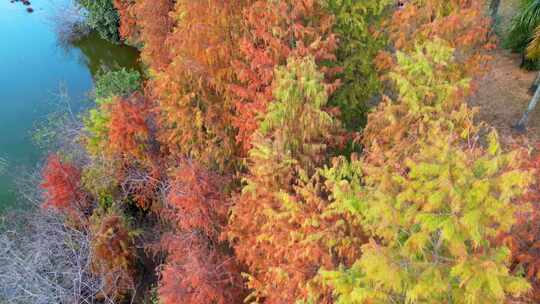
x,y
286,151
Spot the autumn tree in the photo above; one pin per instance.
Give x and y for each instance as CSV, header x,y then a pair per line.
x,y
110,87
432,227
357,26
62,186
274,32
154,24
523,240
199,267
278,226
462,24
113,252
433,95
128,29
195,107
128,130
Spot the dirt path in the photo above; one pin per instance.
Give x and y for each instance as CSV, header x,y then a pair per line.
x,y
503,95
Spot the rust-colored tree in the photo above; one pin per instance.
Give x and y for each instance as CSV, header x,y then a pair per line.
x,y
275,31
199,267
280,227
194,104
129,133
128,29
196,271
113,253
154,24
464,25
62,186
197,200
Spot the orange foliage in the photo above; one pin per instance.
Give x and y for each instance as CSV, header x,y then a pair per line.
x,y
61,182
128,21
275,31
198,268
461,23
154,25
128,130
285,238
197,272
280,226
197,200
191,91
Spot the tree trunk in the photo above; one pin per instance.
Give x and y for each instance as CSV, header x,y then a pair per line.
x,y
535,84
494,9
493,13
522,124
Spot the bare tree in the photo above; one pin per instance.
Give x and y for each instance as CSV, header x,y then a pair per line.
x,y
68,22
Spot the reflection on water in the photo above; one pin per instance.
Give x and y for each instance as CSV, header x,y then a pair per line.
x,y
33,66
96,54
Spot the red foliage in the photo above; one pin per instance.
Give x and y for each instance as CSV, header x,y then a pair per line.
x,y
197,272
61,182
198,201
524,239
276,30
199,268
128,130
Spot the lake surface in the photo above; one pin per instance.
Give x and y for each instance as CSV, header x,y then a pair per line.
x,y
34,66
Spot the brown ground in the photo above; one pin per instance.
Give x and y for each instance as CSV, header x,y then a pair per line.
x,y
503,95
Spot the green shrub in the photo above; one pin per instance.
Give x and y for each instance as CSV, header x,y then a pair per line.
x,y
121,83
103,17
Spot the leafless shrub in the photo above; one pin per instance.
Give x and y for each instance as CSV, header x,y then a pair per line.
x,y
68,22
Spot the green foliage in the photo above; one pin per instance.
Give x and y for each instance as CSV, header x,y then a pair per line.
x,y
122,82
103,18
96,125
297,118
433,227
427,77
354,25
430,88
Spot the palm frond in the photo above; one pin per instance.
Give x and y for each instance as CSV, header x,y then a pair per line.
x,y
533,49
529,17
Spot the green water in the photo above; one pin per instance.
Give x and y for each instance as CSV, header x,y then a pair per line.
x,y
33,68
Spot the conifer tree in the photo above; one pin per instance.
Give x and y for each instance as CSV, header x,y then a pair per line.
x,y
276,227
432,227
275,31
357,26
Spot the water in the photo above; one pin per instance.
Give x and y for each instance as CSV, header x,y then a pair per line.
x,y
33,68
